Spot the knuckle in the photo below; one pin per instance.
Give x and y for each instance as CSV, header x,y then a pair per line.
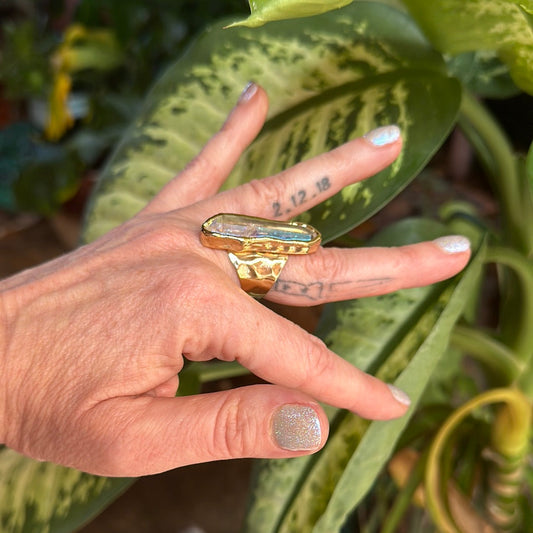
x,y
234,431
327,264
405,266
318,362
201,165
262,192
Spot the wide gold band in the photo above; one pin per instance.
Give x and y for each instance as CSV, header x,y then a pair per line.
x,y
258,248
257,272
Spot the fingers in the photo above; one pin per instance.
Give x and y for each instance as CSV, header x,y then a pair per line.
x,y
205,174
149,435
334,274
303,186
280,352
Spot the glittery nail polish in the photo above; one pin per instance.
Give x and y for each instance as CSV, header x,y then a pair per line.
x,y
383,136
399,395
248,92
453,244
296,428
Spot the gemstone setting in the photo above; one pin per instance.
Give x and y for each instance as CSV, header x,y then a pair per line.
x,y
241,233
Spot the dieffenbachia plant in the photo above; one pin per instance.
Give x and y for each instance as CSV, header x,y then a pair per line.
x,y
330,78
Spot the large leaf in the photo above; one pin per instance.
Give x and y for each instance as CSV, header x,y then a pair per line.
x,y
456,26
401,334
46,498
329,80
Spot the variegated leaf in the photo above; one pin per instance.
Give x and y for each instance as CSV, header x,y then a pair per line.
x,y
329,80
390,336
456,26
379,441
46,498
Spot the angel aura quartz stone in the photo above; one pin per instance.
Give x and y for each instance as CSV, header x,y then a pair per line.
x,y
241,233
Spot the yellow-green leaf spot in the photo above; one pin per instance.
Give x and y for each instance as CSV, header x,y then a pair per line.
x,y
263,11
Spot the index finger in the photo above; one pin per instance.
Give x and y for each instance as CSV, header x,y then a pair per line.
x,y
281,352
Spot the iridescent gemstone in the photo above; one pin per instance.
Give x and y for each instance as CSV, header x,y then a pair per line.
x,y
243,233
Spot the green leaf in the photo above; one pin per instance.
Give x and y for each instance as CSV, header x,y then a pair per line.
x,y
329,80
456,26
379,441
483,74
48,498
47,181
16,149
383,336
263,11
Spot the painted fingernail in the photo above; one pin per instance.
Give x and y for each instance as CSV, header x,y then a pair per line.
x,y
296,428
383,136
453,244
399,395
248,93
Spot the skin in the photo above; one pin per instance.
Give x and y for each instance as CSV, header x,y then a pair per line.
x,y
91,343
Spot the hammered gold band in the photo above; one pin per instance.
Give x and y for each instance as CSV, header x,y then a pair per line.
x,y
258,248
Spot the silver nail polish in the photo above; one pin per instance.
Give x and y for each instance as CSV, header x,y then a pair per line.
x,y
248,92
383,136
296,428
399,395
453,244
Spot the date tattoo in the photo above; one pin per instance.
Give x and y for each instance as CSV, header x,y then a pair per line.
x,y
300,197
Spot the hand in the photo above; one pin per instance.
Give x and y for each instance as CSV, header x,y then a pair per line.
x,y
92,343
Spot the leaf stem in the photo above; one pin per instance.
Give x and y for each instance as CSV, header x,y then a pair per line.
x,y
436,499
489,351
522,344
404,498
496,153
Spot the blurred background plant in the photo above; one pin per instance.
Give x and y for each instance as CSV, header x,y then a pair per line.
x,y
72,74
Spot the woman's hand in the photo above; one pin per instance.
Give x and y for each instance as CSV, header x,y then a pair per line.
x,y
91,344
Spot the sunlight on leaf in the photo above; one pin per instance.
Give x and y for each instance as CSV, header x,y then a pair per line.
x,y
263,11
456,26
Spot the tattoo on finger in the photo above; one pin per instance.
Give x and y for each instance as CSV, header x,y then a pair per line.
x,y
319,290
301,196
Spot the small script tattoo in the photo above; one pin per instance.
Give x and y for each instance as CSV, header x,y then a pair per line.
x,y
318,290
300,197
311,291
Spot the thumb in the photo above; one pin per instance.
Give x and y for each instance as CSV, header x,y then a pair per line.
x,y
148,435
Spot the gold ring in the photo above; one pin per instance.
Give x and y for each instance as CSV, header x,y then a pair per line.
x,y
258,248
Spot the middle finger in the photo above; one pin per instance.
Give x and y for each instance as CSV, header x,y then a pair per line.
x,y
310,182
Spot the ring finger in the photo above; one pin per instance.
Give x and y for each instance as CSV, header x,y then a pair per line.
x,y
333,274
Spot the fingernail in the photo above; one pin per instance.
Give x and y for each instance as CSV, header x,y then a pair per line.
x,y
383,136
453,244
399,395
296,428
248,93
